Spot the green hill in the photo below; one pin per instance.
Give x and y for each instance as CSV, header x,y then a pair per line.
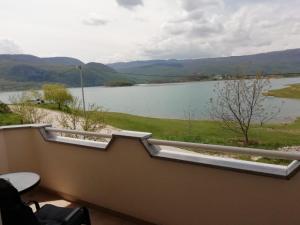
x,y
282,62
24,71
19,72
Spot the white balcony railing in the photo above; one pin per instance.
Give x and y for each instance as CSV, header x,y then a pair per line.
x,y
207,147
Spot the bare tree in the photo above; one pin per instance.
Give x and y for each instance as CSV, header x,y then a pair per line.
x,y
238,103
25,107
93,119
71,118
75,119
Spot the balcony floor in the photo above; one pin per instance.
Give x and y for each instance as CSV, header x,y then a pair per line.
x,y
98,216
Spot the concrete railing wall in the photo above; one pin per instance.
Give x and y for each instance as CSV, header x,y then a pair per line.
x,y
126,177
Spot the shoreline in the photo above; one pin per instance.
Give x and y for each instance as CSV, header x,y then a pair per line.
x,y
286,116
147,84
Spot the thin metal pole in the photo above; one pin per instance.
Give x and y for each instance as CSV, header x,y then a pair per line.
x,y
82,89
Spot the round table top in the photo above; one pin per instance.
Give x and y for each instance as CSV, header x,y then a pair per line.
x,y
22,181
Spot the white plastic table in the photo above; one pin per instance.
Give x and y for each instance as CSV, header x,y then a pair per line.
x,y
22,181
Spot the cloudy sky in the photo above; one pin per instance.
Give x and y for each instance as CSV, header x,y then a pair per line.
x,y
123,30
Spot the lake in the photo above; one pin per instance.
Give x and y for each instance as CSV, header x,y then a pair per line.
x,y
171,100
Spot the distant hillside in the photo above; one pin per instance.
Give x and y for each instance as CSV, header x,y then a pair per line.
x,y
18,72
24,71
37,60
287,61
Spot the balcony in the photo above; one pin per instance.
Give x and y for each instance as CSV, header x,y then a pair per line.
x,y
130,178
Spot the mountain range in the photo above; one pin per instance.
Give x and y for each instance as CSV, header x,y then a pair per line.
x,y
28,71
277,62
24,71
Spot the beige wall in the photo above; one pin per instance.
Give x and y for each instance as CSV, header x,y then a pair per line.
x,y
20,149
125,178
3,154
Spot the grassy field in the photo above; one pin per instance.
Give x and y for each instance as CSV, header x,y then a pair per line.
x,y
270,136
9,119
292,91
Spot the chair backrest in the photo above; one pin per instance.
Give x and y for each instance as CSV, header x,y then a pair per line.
x,y
13,210
0,218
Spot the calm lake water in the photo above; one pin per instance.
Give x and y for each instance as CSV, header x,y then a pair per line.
x,y
171,100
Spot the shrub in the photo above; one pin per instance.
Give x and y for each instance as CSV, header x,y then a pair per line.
x,y
4,108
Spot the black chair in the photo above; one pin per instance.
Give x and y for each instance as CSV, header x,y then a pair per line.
x,y
15,212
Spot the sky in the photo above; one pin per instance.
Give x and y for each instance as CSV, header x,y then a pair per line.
x,y
124,30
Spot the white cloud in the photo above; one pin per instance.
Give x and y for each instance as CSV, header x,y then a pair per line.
x,y
179,49
192,5
93,19
159,29
212,28
129,3
9,47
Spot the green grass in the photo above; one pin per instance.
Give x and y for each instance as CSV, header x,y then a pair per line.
x,y
9,119
171,129
292,91
270,136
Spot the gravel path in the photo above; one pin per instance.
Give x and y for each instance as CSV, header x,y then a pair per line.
x,y
52,117
290,149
